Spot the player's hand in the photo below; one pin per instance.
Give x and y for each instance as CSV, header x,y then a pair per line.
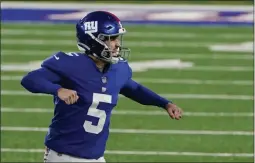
x,y
174,111
67,95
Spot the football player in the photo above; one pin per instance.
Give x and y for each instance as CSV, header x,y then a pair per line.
x,y
86,86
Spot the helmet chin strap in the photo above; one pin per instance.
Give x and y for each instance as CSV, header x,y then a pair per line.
x,y
114,60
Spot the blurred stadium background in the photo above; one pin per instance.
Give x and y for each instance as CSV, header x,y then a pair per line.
x,y
197,53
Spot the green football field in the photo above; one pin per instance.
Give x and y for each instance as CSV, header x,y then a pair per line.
x,y
207,71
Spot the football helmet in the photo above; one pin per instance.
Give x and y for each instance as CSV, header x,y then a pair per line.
x,y
96,29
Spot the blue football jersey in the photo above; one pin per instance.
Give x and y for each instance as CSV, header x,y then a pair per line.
x,y
82,129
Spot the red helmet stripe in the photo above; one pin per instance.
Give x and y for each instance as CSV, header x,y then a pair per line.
x,y
115,17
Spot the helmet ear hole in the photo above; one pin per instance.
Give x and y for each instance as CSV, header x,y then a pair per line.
x,y
102,38
106,53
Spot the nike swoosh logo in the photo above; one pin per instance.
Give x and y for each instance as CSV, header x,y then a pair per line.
x,y
57,58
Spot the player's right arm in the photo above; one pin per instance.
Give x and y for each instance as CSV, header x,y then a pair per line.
x,y
47,80
145,96
42,80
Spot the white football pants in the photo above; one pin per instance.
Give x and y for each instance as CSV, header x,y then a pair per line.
x,y
52,156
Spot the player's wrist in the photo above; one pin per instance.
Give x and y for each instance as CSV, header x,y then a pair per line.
x,y
169,103
57,90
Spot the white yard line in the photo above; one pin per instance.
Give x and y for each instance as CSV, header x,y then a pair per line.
x,y
20,93
118,152
70,33
142,131
180,153
208,96
135,112
154,44
18,67
218,56
174,96
165,81
219,68
12,52
194,81
10,78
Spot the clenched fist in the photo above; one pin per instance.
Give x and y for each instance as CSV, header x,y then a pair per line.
x,y
174,111
67,95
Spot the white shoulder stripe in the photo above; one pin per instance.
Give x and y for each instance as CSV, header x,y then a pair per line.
x,y
72,54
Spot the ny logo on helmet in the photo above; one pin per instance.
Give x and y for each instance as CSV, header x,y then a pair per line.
x,y
91,27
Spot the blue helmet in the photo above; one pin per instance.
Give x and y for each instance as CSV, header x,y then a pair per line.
x,y
92,32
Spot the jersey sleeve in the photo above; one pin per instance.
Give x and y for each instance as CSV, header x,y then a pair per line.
x,y
130,72
141,94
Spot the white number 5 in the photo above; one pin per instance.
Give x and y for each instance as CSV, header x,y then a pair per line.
x,y
94,112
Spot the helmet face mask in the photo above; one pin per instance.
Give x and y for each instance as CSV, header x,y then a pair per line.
x,y
103,37
114,49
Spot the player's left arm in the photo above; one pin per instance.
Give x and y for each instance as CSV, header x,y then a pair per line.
x,y
145,96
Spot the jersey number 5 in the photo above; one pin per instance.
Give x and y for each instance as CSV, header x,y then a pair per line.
x,y
95,112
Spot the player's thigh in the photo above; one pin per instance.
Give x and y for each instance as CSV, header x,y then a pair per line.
x,y
75,159
101,159
52,156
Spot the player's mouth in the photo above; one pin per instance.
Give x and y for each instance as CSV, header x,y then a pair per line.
x,y
115,52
